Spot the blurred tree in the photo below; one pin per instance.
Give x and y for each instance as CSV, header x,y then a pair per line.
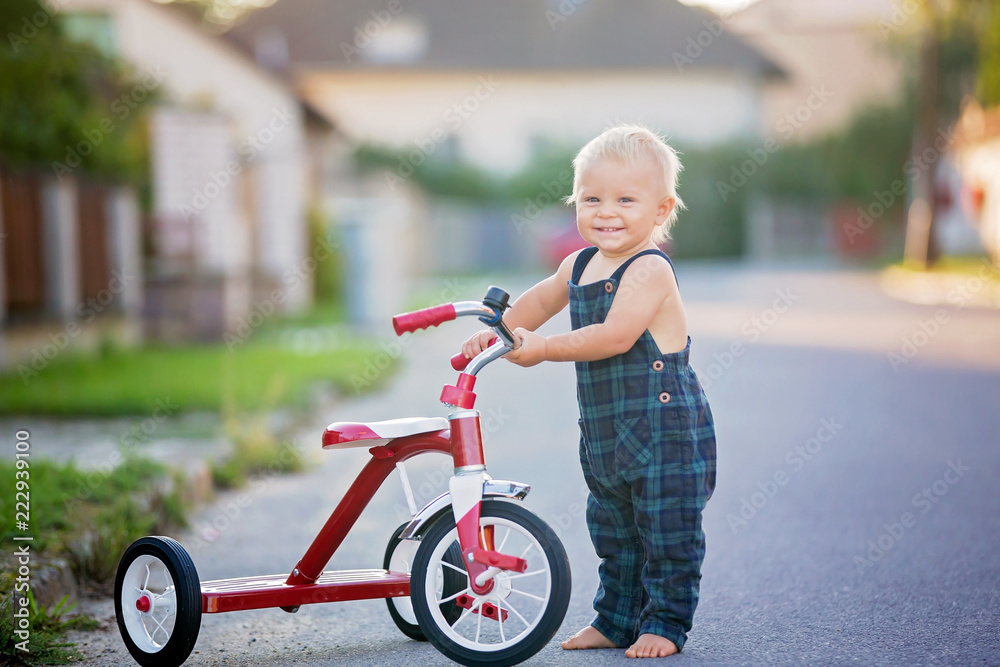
x,y
64,104
546,178
988,75
959,56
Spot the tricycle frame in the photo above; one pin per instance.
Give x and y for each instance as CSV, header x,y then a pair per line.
x,y
308,583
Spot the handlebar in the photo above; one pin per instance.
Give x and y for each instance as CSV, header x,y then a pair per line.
x,y
489,311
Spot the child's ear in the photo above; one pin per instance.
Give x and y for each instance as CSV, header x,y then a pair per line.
x,y
666,207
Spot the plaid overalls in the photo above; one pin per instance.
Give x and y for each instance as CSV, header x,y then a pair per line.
x,y
647,447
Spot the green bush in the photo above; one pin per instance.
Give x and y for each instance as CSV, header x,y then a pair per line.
x,y
56,93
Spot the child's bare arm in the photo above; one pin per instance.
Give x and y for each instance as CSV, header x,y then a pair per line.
x,y
643,290
532,309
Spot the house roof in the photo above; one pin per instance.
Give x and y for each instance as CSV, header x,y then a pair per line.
x,y
190,17
499,34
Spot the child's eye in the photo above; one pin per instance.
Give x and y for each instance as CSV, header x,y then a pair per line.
x,y
590,199
625,199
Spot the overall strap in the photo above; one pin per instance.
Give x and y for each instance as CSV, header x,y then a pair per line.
x,y
581,263
617,275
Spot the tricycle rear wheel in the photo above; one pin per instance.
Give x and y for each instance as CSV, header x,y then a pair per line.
x,y
399,555
158,602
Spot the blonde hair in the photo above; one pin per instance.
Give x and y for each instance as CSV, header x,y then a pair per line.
x,y
629,144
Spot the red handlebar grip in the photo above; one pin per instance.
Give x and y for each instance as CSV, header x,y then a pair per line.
x,y
459,362
421,319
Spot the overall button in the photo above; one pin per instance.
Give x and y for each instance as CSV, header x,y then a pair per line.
x,y
664,397
608,287
658,365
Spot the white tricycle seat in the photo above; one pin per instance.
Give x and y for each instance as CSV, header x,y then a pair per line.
x,y
344,435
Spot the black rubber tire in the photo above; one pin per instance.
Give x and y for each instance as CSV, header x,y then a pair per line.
x,y
452,583
552,614
187,592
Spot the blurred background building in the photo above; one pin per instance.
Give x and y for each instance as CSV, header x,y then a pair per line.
x,y
230,169
495,85
409,139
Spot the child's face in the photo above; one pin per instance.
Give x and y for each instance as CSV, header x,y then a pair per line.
x,y
619,206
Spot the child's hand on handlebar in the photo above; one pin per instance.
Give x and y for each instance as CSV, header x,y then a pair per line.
x,y
532,350
477,343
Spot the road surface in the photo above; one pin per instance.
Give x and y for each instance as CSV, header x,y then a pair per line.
x,y
856,518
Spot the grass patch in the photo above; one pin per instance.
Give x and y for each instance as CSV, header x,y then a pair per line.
x,y
135,382
47,644
321,314
90,517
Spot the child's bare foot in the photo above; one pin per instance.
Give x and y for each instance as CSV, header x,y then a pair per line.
x,y
650,646
589,637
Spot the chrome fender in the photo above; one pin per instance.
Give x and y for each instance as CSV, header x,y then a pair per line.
x,y
492,488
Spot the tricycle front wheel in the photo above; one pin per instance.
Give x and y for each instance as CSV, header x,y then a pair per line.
x,y
158,602
521,612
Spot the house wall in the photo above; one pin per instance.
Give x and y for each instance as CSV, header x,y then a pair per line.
x,y
499,116
843,48
196,70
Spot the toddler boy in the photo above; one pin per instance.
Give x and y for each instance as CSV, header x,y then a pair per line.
x,y
647,437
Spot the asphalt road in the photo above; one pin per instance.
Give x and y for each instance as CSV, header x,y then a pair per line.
x,y
856,518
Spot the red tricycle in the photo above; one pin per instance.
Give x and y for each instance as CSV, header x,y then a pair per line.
x,y
482,578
